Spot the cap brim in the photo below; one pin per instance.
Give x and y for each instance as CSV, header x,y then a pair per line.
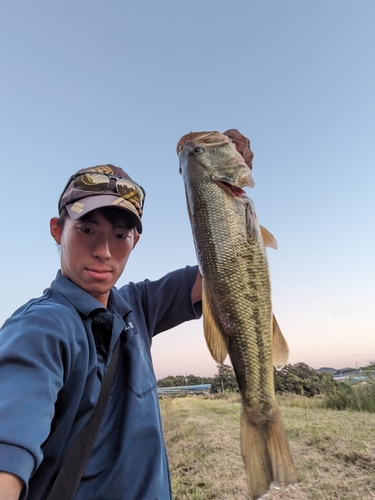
x,y
83,206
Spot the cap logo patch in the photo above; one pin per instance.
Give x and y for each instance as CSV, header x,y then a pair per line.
x,y
105,169
102,169
77,207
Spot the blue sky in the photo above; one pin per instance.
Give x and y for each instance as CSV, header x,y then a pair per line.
x,y
91,82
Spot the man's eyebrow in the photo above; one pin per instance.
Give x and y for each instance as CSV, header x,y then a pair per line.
x,y
121,226
89,219
116,225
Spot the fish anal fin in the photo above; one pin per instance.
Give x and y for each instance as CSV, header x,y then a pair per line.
x,y
268,238
280,349
217,343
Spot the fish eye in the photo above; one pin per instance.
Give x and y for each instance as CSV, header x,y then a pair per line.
x,y
198,149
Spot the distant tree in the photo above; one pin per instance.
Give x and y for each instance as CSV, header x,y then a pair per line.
x,y
370,366
327,384
172,381
182,380
304,380
193,380
347,369
225,380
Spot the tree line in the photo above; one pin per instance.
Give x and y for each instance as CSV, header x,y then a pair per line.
x,y
182,380
298,379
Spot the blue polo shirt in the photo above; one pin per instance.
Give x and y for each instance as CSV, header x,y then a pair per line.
x,y
53,353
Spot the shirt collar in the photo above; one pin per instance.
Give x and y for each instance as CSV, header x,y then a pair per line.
x,y
118,303
86,303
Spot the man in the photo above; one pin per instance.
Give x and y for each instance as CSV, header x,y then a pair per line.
x,y
54,351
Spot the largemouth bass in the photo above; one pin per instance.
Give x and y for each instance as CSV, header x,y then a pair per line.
x,y
237,310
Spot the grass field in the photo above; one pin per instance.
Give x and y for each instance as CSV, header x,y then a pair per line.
x,y
334,451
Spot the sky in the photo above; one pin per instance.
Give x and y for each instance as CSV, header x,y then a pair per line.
x,y
90,82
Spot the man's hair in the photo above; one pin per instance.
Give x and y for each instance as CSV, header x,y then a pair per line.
x,y
112,214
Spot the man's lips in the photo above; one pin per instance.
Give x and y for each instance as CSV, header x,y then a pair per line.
x,y
99,273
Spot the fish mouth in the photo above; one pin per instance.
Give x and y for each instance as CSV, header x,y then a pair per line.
x,y
203,139
230,188
196,143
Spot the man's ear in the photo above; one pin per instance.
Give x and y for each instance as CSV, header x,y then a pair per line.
x,y
55,230
136,238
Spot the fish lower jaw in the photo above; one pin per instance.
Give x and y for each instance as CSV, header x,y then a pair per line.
x,y
230,188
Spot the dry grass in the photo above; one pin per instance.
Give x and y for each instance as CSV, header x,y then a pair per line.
x,y
334,451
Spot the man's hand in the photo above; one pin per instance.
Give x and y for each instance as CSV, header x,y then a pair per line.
x,y
242,145
10,486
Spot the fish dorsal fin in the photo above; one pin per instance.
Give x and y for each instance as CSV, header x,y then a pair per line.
x,y
280,349
217,343
268,238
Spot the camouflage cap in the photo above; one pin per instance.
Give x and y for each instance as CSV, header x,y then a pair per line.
x,y
102,186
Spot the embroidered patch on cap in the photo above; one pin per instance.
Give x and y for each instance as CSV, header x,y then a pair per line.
x,y
104,169
77,207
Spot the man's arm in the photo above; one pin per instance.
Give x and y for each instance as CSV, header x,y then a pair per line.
x,y
167,302
196,292
31,376
10,486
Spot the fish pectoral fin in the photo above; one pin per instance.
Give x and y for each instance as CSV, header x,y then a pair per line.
x,y
268,238
280,349
217,343
251,221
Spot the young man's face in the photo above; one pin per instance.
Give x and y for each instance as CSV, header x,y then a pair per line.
x,y
94,252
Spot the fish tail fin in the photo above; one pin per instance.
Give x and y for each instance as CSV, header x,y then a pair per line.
x,y
266,453
254,450
283,468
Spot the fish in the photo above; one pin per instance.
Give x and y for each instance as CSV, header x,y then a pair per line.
x,y
236,298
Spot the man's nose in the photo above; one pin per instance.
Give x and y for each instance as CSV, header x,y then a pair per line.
x,y
102,248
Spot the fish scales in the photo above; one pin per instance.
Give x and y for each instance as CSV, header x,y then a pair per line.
x,y
236,276
237,305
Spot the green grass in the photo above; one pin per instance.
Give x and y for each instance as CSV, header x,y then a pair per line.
x,y
334,451
358,397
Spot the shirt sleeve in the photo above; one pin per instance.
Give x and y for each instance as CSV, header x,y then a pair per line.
x,y
166,302
34,355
